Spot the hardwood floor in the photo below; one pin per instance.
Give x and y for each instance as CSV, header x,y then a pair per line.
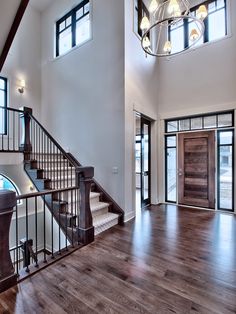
x,y
168,260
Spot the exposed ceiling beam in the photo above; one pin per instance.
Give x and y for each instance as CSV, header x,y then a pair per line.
x,y
13,30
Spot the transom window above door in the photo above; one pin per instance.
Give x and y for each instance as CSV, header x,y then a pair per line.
x,y
203,122
73,29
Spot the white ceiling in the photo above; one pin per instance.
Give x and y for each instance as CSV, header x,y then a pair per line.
x,y
40,5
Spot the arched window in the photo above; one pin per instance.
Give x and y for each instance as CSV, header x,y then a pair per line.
x,y
8,184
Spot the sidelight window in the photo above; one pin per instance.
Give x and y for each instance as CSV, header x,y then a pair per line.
x,y
225,169
170,160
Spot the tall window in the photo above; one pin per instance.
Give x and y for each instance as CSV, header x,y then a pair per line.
x,y
74,28
3,105
225,169
215,26
140,10
171,159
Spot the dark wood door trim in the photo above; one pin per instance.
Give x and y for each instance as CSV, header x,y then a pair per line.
x,y
20,12
209,137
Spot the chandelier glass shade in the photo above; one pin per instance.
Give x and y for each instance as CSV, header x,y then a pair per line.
x,y
168,15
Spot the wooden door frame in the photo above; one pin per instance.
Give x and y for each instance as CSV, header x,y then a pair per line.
x,y
211,170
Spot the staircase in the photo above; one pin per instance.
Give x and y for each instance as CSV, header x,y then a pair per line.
x,y
51,168
53,171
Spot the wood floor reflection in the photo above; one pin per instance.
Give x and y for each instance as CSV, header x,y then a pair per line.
x,y
167,260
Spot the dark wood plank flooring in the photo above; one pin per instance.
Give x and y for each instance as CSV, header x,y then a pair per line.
x,y
167,260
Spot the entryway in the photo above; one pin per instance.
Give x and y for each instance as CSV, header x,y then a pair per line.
x,y
142,161
199,161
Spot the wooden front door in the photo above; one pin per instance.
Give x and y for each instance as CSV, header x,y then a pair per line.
x,y
196,169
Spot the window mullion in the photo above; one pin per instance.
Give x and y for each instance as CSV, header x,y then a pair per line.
x,y
57,39
186,31
206,32
73,28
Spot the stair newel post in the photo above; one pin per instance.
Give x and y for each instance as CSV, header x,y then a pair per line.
x,y
25,145
8,278
84,177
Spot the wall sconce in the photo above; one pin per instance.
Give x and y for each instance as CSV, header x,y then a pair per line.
x,y
21,88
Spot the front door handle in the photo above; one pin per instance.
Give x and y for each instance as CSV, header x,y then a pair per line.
x,y
180,172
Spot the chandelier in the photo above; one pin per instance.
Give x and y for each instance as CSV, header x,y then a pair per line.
x,y
166,16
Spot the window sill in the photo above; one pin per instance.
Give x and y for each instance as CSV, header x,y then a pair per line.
x,y
72,49
167,58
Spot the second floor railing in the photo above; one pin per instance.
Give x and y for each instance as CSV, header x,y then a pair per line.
x,y
11,129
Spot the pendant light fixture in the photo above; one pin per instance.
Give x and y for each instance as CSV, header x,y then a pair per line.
x,y
166,15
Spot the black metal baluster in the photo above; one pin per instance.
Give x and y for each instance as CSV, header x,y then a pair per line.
x,y
36,231
72,215
60,165
52,238
67,173
3,129
8,131
17,253
18,144
14,148
60,222
36,139
27,228
40,150
44,229
57,166
66,227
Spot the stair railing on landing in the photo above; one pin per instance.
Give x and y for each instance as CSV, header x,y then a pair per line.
x,y
42,235
11,129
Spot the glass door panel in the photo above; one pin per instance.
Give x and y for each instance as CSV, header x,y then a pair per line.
x,y
145,161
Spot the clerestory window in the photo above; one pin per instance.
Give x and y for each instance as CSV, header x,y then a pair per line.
x,y
215,26
74,28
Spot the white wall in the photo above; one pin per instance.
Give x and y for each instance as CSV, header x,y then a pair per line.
x,y
141,83
198,81
83,92
204,77
24,62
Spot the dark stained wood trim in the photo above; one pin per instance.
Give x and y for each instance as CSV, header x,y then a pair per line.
x,y
7,273
114,207
20,12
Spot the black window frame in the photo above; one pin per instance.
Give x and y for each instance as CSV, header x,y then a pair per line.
x,y
5,103
218,168
141,11
166,170
202,116
185,25
71,14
